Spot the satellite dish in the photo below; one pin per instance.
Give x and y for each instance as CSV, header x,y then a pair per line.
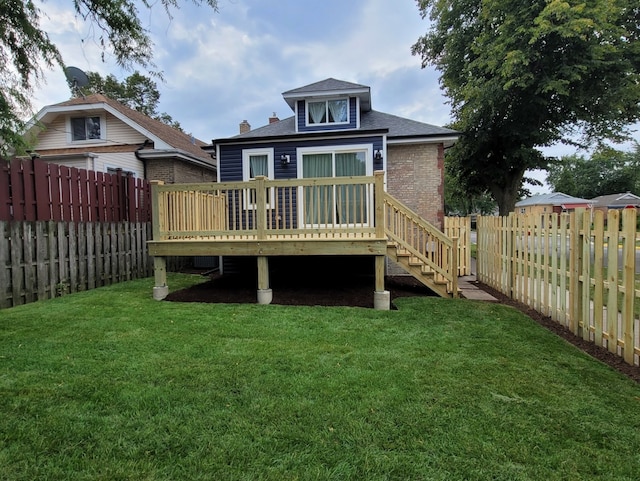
x,y
76,79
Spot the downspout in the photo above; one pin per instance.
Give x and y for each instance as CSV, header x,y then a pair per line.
x,y
144,161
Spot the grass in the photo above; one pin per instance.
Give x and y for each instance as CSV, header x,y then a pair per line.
x,y
111,385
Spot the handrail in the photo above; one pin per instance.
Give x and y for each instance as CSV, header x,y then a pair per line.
x,y
422,240
337,207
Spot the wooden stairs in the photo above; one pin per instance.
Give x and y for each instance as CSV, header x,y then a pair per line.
x,y
421,249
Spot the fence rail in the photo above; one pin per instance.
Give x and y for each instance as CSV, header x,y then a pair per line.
x,y
581,272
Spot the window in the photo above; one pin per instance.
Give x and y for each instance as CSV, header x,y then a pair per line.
x,y
256,162
86,128
328,112
331,204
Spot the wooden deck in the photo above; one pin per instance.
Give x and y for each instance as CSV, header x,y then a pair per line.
x,y
322,216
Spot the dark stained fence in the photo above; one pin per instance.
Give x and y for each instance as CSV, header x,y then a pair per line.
x,y
45,259
34,190
65,230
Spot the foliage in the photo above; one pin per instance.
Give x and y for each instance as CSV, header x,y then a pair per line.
x,y
110,384
137,92
26,50
459,200
607,171
521,75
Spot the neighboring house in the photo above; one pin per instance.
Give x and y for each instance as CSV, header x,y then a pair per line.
x,y
335,132
626,200
100,134
556,202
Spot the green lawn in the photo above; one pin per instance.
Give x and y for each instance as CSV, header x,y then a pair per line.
x,y
111,385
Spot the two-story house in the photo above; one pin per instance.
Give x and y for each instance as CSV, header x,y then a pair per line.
x,y
97,133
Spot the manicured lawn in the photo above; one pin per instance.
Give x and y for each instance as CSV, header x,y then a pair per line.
x,y
111,385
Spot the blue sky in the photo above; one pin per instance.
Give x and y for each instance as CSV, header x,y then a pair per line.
x,y
221,68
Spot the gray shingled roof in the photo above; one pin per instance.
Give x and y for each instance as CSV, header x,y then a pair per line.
x,y
617,200
398,127
555,198
326,85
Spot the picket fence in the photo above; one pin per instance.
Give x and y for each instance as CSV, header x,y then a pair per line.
x,y
580,269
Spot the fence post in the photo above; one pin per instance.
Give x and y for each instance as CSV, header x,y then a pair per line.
x,y
628,281
575,285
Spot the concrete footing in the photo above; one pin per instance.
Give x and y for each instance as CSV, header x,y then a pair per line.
x,y
160,292
265,296
382,300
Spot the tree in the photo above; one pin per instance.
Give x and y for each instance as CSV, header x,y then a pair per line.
x,y
26,50
521,75
460,201
607,171
137,92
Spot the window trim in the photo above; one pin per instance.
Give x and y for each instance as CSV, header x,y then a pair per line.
x,y
333,149
308,122
246,157
84,115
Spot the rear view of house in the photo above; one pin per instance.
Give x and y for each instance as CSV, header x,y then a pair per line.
x,y
336,178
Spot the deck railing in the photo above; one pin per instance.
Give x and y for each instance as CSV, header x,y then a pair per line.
x,y
336,207
437,252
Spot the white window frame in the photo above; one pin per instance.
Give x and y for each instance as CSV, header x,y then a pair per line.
x,y
103,128
326,101
335,149
246,170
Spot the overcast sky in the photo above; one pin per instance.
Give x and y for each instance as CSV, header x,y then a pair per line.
x,y
221,68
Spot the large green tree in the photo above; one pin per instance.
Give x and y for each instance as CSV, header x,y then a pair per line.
x,y
606,171
526,74
26,51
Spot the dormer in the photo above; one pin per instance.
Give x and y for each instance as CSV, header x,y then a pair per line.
x,y
328,105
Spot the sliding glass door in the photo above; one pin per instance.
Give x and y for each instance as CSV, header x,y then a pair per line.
x,y
330,204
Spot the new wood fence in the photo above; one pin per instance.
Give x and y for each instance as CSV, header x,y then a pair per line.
x,y
581,271
460,228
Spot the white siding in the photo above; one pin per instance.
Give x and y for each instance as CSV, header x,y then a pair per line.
x,y
54,137
57,135
126,161
119,132
80,163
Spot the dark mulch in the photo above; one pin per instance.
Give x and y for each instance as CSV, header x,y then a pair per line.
x,y
357,291
347,291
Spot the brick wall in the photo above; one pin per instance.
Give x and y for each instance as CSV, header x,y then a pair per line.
x,y
415,175
172,171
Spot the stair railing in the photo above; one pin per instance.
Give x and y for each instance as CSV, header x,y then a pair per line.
x,y
423,241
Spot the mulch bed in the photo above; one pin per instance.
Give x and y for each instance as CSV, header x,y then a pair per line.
x,y
357,291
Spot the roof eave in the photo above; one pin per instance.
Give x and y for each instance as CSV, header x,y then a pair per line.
x,y
294,137
149,154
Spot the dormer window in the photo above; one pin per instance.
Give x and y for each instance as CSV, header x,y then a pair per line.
x,y
86,128
328,112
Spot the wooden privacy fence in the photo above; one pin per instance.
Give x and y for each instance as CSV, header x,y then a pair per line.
x,y
460,228
581,271
41,260
33,190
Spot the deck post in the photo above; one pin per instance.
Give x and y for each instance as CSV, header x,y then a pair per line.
x,y
265,295
381,298
161,290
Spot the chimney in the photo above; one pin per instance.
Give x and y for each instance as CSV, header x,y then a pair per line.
x,y
273,118
244,127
